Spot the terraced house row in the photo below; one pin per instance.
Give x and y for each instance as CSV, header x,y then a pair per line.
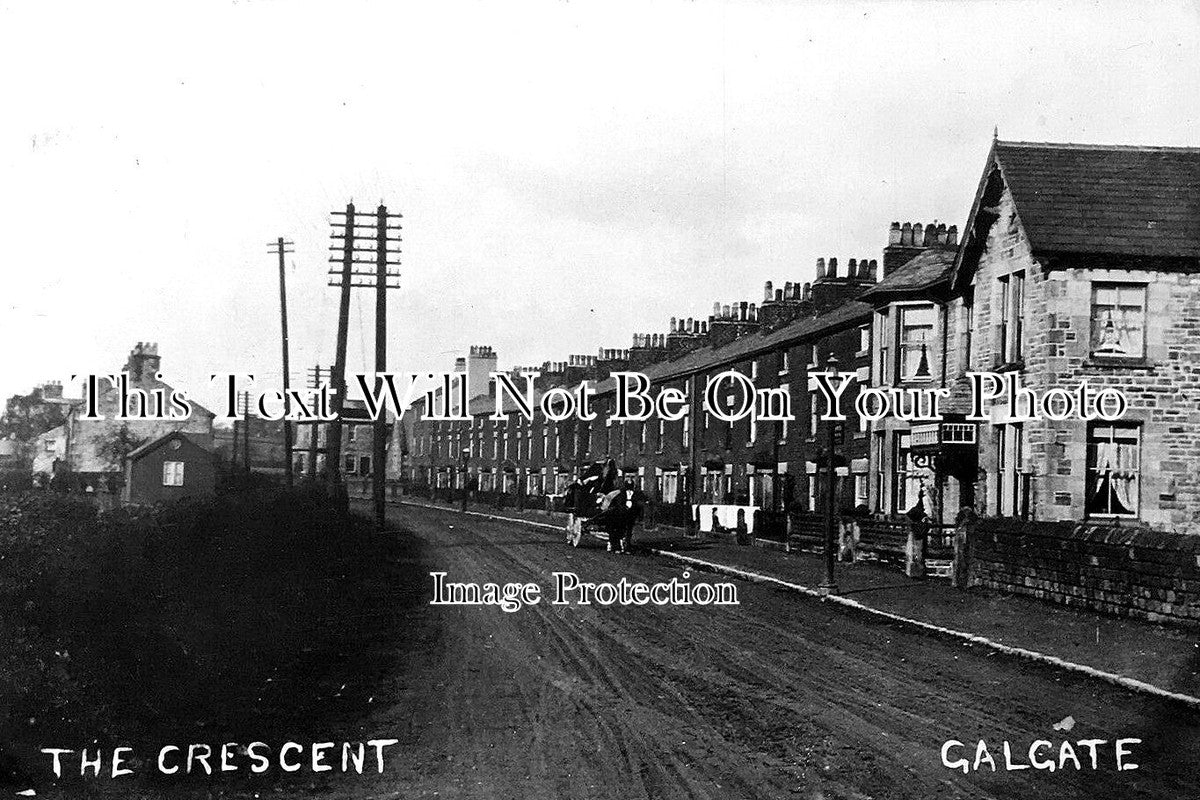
x,y
1075,263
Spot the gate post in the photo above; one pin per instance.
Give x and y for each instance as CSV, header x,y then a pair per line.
x,y
960,569
914,551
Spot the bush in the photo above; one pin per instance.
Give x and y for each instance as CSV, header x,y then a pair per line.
x,y
125,622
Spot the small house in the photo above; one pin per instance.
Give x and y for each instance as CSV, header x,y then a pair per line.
x,y
168,468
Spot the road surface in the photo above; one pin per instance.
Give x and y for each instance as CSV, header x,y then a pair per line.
x,y
780,696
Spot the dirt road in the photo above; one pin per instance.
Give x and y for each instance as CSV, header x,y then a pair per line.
x,y
778,697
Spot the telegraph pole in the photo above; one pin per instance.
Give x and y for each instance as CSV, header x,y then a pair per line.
x,y
333,436
280,246
244,402
315,376
357,243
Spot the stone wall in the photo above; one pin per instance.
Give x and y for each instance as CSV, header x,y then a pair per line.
x,y
1125,571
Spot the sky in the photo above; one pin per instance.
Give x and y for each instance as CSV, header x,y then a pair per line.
x,y
570,173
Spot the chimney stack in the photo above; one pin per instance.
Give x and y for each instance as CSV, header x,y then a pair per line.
x,y
907,240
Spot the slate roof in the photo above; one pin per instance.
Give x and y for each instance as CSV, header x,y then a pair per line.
x,y
1120,200
705,358
922,271
153,444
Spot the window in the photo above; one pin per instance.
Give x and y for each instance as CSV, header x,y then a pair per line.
x,y
1012,312
908,483
172,473
864,338
916,341
51,446
783,424
877,460
813,355
883,370
642,439
1011,484
783,361
662,434
968,325
762,490
668,487
712,486
350,465
1113,470
754,369
687,430
860,489
1118,321
364,465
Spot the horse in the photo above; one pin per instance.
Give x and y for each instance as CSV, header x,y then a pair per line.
x,y
600,499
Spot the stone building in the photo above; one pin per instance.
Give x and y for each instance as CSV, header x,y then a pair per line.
x,y
770,465
1080,263
912,316
96,447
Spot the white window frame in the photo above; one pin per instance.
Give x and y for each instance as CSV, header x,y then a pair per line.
x,y
172,474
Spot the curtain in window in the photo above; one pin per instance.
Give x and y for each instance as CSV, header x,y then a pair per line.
x,y
1118,314
1114,489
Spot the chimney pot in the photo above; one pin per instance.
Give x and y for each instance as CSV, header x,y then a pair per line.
x,y
832,271
918,235
952,235
779,295
767,292
906,234
894,233
820,269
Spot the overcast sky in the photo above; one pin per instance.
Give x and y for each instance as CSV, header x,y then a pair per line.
x,y
569,172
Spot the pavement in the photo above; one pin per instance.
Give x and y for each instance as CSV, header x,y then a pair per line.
x,y
1135,653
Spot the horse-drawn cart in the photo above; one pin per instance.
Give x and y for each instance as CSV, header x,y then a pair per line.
x,y
599,507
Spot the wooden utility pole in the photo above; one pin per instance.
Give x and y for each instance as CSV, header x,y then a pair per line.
x,y
281,246
244,399
333,433
315,375
379,443
357,243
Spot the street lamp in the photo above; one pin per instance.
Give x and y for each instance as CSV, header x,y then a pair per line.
x,y
464,460
829,586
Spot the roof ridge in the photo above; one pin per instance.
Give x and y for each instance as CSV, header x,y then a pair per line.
x,y
1114,147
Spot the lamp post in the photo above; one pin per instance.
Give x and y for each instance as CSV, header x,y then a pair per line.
x,y
829,585
464,461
